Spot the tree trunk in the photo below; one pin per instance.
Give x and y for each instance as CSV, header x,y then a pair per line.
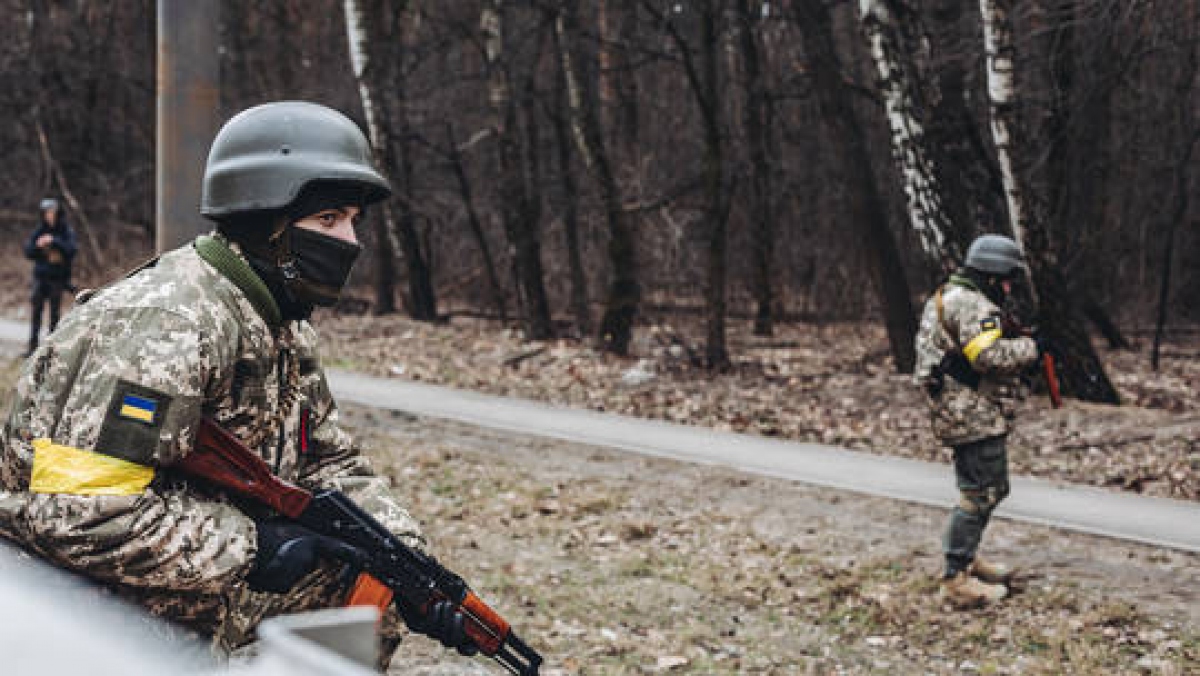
x,y
624,291
562,133
757,123
1058,317
910,150
971,187
517,202
381,105
495,288
1184,117
869,214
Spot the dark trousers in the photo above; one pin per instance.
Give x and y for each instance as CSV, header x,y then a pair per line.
x,y
981,471
44,291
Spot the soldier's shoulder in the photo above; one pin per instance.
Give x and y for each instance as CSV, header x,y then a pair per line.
x,y
961,301
179,282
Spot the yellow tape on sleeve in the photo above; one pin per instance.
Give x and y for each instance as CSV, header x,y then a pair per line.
x,y
980,343
63,469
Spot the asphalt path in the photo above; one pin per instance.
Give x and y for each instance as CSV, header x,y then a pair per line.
x,y
1155,521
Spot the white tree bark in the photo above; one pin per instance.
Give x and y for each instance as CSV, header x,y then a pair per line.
x,y
926,212
1001,87
360,61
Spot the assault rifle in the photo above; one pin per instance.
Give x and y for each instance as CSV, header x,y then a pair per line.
x,y
416,579
1049,368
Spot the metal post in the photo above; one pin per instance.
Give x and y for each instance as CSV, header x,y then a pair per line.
x,y
188,98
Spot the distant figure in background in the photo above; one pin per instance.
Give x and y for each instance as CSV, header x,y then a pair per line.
x,y
51,247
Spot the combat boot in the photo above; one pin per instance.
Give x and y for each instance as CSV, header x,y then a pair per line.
x,y
964,591
991,571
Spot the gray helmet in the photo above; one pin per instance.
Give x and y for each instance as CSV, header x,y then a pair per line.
x,y
994,255
47,204
264,156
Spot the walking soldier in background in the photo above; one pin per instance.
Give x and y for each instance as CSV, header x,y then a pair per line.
x,y
51,246
969,369
107,409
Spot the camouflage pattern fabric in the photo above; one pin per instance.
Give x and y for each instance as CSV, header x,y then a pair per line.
x,y
971,322
981,473
119,390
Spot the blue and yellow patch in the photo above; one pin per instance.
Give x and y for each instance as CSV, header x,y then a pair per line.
x,y
990,324
141,409
133,424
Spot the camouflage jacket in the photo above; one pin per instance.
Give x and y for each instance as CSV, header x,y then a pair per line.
x,y
112,400
968,321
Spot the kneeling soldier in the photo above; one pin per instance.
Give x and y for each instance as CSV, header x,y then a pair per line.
x,y
111,403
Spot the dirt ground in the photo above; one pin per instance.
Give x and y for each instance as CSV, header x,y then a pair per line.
x,y
616,564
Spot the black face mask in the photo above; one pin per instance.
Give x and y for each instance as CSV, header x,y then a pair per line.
x,y
315,267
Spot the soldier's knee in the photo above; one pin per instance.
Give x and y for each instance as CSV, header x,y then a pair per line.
x,y
981,502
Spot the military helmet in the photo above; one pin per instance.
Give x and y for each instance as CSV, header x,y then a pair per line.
x,y
264,156
994,255
47,204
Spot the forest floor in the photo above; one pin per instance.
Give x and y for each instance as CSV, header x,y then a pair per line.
x,y
612,564
831,384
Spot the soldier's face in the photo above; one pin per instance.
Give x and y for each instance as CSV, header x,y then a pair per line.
x,y
50,216
338,223
1007,285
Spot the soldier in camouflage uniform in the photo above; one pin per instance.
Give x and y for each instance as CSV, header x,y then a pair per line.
x,y
219,328
969,369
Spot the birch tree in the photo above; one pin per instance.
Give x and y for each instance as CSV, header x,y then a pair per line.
x,y
1058,316
373,27
910,151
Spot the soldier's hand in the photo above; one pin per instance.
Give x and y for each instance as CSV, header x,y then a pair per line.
x,y
287,552
443,622
1044,346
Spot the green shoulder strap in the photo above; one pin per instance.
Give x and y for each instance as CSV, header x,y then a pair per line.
x,y
217,254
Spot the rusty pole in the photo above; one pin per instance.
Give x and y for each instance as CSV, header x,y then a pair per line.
x,y
188,98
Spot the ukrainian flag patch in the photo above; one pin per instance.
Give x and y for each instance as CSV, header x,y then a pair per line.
x,y
133,423
142,409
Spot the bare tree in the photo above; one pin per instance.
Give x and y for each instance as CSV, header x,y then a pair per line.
x,y
372,32
869,216
624,291
757,124
1058,317
519,206
927,214
700,60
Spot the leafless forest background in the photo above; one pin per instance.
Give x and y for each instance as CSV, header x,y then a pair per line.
x,y
575,166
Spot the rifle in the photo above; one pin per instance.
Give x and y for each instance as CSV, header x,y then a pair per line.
x,y
1049,367
416,579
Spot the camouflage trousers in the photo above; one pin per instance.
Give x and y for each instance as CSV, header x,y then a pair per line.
x,y
981,472
230,620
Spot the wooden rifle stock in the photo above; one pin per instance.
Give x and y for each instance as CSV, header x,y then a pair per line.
x,y
222,459
1049,370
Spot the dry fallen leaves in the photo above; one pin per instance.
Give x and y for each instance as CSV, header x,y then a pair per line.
x,y
831,384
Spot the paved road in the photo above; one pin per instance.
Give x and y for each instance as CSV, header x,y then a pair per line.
x,y
1156,521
